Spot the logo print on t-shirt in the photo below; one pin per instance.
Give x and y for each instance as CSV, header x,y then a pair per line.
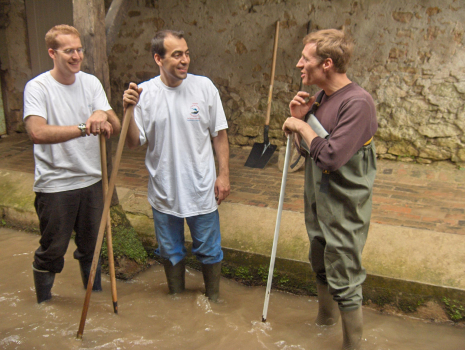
x,y
194,112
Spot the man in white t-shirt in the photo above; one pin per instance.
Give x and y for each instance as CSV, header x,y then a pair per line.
x,y
178,115
64,111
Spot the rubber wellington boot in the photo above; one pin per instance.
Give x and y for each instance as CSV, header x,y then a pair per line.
x,y
43,281
85,272
352,329
211,277
328,311
175,275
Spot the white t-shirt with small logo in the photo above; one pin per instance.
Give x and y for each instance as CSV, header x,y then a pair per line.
x,y
75,163
178,123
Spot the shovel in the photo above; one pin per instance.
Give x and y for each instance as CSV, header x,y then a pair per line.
x,y
261,152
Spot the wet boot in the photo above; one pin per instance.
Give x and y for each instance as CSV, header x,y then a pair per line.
x,y
352,328
85,272
211,277
175,275
328,310
43,281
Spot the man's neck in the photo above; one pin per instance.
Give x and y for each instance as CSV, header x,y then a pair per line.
x,y
63,79
172,83
335,82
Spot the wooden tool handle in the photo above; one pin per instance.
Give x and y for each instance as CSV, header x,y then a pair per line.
x,y
106,210
111,259
273,66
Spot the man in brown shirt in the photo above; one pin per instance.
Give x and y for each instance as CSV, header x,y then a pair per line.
x,y
339,174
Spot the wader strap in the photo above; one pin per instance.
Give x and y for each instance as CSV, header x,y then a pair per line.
x,y
368,142
324,185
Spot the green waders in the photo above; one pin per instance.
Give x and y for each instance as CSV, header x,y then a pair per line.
x,y
337,217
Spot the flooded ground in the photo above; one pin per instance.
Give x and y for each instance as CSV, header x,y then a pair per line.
x,y
150,319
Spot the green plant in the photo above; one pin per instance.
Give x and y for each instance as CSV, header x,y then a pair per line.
x,y
126,244
226,271
454,309
283,280
262,272
243,273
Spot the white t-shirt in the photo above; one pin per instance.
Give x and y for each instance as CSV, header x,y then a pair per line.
x,y
75,163
177,124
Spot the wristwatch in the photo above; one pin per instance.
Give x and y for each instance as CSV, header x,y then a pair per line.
x,y
82,127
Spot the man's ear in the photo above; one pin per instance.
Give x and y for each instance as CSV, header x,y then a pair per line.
x,y
51,53
157,59
327,64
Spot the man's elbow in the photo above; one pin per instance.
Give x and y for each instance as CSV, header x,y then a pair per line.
x,y
35,137
116,127
132,144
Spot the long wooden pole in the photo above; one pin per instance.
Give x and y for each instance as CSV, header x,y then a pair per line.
x,y
106,210
111,259
273,68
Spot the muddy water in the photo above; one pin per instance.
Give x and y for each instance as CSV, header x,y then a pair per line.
x,y
150,319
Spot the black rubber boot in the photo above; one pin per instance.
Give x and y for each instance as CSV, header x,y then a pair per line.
x,y
175,275
328,310
43,281
85,272
352,329
211,277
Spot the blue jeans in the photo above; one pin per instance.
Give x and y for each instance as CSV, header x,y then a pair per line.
x,y
205,233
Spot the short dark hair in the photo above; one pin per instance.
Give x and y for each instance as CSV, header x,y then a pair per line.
x,y
158,41
334,44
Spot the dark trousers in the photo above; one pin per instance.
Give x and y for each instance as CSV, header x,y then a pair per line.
x,y
59,214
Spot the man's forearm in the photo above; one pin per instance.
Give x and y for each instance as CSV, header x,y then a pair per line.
x,y
113,119
221,146
132,137
306,133
42,133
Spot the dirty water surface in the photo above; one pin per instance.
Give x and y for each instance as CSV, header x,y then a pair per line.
x,y
150,319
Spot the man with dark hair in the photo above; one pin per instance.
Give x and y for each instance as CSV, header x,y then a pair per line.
x,y
62,107
158,41
339,173
178,115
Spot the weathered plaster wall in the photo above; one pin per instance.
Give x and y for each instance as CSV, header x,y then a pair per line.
x,y
15,69
409,55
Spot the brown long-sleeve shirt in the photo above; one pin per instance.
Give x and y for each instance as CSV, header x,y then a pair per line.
x,y
349,116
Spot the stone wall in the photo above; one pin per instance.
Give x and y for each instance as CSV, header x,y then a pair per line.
x,y
409,55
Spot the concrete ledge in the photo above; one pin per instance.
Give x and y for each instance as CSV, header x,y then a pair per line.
x,y
406,267
17,199
400,253
297,277
402,263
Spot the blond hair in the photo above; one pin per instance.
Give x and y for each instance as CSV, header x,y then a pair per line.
x,y
334,44
51,36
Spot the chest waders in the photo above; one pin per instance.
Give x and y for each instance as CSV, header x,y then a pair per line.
x,y
337,217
